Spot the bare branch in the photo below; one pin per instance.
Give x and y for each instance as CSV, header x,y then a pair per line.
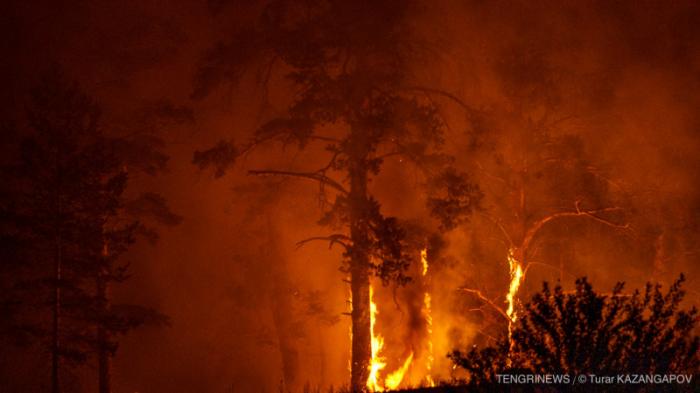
x,y
500,227
592,214
487,301
319,177
531,263
497,178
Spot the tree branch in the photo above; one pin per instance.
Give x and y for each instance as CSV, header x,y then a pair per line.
x,y
450,96
500,227
332,239
323,179
535,228
487,301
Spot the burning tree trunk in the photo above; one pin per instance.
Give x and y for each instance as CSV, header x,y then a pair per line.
x,y
428,315
361,334
518,252
359,270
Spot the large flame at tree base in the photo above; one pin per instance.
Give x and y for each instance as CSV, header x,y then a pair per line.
x,y
378,362
375,381
394,379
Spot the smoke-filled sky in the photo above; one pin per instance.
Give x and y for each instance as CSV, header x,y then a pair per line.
x,y
610,87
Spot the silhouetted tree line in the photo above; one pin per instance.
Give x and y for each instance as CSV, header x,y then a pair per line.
x,y
66,223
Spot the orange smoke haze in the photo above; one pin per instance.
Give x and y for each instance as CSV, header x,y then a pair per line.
x,y
610,87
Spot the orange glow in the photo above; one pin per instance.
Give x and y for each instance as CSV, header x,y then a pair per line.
x,y
516,278
427,309
377,363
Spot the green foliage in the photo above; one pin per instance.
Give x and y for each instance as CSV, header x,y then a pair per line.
x,y
585,332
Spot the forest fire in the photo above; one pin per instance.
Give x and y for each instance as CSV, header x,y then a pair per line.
x,y
377,362
347,196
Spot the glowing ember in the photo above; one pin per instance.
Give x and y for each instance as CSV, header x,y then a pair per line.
x,y
516,277
394,379
377,363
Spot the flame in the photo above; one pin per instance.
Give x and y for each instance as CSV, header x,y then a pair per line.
x,y
427,304
394,379
516,278
424,260
377,363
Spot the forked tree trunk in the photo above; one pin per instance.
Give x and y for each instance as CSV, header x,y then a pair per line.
x,y
359,270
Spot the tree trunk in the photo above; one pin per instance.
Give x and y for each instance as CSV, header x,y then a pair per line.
x,y
359,270
361,340
104,356
56,323
282,313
